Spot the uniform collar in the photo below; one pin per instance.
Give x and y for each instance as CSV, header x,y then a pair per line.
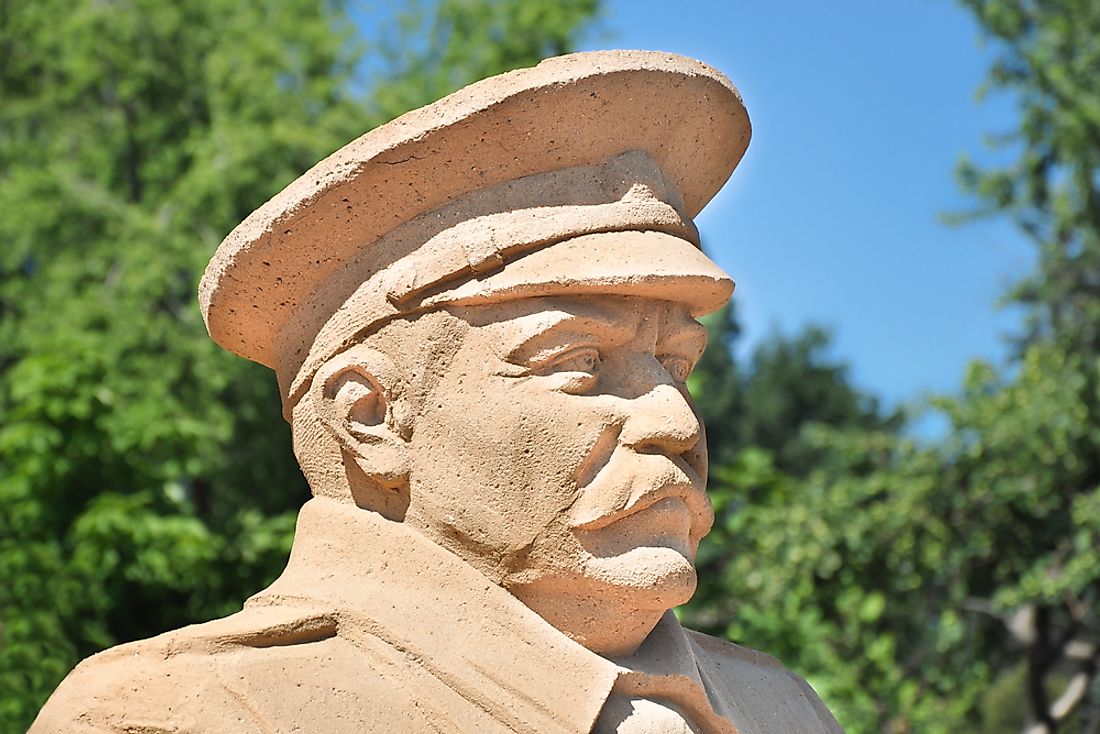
x,y
387,581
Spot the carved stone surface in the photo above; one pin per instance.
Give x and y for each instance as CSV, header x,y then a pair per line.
x,y
482,317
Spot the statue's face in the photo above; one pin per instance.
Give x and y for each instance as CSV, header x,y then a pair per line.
x,y
560,452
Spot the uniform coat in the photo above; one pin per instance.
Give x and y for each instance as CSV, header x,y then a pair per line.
x,y
409,639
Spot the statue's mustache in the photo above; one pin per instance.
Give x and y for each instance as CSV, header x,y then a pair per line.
x,y
629,482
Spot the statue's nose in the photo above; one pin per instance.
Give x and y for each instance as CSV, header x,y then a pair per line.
x,y
661,421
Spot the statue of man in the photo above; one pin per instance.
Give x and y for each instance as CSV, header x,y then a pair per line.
x,y
482,318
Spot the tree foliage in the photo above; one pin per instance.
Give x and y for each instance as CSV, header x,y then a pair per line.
x,y
917,584
1049,60
146,477
1047,460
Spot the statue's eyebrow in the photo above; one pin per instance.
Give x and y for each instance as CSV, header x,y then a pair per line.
x,y
684,336
566,330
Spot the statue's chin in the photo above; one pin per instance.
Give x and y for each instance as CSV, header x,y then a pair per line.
x,y
612,603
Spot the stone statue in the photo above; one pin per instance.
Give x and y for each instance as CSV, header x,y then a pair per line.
x,y
482,317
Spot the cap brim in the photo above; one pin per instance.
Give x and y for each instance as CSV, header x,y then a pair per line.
x,y
641,264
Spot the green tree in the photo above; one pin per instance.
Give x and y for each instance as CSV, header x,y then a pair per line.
x,y
1049,60
146,477
930,587
793,384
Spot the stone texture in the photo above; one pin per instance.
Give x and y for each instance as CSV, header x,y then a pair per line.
x,y
482,318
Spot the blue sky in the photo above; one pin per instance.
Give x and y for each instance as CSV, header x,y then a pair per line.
x,y
860,112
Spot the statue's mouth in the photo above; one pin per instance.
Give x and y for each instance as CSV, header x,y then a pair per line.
x,y
664,523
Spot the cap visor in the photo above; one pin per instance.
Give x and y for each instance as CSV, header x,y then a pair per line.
x,y
642,264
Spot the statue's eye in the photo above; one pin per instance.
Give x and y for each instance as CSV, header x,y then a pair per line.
x,y
572,371
581,359
678,368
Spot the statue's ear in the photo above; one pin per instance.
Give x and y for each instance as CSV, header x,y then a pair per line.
x,y
354,396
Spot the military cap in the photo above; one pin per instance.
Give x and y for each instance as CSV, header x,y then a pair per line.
x,y
583,173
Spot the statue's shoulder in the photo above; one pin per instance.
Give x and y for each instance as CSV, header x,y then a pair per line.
x,y
159,684
720,650
755,684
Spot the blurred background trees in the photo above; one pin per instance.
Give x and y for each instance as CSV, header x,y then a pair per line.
x,y
146,478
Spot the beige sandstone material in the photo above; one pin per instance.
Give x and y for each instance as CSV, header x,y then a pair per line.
x,y
482,318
